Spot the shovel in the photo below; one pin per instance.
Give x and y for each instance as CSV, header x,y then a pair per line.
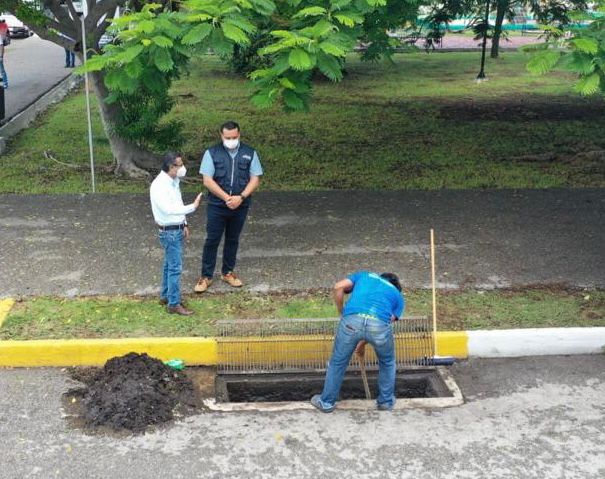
x,y
361,357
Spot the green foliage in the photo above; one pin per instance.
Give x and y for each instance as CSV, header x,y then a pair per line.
x,y
287,41
378,22
581,52
139,120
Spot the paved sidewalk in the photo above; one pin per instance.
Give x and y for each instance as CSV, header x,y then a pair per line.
x,y
524,418
106,244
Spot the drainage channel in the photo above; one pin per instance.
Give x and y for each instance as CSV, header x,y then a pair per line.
x,y
415,388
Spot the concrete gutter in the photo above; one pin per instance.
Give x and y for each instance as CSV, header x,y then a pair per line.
x,y
25,117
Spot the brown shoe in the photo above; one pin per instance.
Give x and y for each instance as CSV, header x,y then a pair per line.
x,y
232,280
164,302
202,285
178,309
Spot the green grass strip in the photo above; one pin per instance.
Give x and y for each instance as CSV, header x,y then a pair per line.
x,y
115,317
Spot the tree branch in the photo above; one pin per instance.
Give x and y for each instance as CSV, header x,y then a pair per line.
x,y
67,25
105,8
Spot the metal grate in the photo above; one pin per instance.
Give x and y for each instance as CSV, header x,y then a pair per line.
x,y
291,345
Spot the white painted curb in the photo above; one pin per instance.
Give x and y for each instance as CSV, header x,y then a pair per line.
x,y
535,342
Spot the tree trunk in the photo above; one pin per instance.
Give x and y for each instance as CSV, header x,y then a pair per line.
x,y
132,160
501,8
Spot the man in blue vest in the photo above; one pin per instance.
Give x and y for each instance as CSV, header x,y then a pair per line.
x,y
231,172
375,303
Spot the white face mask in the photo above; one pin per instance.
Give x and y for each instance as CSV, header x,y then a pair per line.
x,y
181,172
231,144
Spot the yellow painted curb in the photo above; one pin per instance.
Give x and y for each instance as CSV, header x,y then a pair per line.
x,y
452,343
94,352
194,351
5,307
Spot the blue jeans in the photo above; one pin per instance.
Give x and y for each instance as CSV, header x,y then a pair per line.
x,y
172,242
70,58
351,330
221,219
3,71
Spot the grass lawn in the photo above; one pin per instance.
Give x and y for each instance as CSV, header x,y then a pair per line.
x,y
45,318
421,123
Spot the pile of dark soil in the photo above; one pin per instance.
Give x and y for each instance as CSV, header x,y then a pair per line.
x,y
133,392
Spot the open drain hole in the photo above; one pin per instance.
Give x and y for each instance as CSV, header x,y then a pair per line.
x,y
273,387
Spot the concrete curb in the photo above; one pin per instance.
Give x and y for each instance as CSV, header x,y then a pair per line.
x,y
25,117
95,352
203,351
511,343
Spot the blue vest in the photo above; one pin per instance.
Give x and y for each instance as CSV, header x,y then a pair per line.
x,y
231,174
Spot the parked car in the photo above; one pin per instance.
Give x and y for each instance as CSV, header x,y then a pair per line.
x,y
105,39
16,28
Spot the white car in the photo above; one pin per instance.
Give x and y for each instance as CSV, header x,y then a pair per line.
x,y
16,28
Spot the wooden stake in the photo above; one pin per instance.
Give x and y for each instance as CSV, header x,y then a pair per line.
x,y
364,376
434,292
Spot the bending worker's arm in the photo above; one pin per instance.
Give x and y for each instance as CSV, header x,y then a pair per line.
x,y
341,288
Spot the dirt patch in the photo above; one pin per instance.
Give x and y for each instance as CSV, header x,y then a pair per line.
x,y
131,393
523,109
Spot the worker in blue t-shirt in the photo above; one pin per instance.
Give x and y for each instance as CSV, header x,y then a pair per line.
x,y
375,302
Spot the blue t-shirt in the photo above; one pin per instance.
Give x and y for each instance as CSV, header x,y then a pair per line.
x,y
375,296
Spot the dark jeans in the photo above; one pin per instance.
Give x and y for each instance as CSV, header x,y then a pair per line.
x,y
70,58
221,219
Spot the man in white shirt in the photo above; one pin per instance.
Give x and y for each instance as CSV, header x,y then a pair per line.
x,y
169,214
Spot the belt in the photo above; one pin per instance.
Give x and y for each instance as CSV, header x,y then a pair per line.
x,y
172,227
369,316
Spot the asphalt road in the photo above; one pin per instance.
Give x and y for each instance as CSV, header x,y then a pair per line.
x,y
106,244
33,67
523,418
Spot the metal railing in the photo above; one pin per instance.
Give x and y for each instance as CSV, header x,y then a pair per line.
x,y
290,345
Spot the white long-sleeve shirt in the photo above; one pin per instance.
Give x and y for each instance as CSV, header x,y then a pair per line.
x,y
167,202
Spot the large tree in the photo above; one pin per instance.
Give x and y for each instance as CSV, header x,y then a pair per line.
x,y
153,45
58,21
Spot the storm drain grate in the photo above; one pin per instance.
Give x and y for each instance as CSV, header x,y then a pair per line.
x,y
297,345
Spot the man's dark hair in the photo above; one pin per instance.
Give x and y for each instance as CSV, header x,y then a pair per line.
x,y
170,159
393,279
229,125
